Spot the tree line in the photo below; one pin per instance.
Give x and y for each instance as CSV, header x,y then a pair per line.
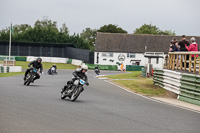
x,y
46,31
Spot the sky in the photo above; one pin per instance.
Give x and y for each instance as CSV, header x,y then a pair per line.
x,y
181,16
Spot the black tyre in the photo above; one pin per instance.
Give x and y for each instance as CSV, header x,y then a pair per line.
x,y
75,94
27,79
28,82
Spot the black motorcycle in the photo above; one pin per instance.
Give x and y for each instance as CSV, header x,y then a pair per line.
x,y
72,91
97,71
30,76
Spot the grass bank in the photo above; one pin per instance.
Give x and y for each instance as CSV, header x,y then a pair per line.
x,y
10,74
138,84
47,65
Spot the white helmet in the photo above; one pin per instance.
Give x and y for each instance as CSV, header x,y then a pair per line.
x,y
85,67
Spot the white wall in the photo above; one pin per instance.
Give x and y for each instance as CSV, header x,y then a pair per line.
x,y
48,59
138,56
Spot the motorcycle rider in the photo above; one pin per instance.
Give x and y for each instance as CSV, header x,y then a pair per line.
x,y
96,69
81,73
53,69
36,64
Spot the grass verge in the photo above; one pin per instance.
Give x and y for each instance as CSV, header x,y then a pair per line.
x,y
131,75
47,65
138,84
10,74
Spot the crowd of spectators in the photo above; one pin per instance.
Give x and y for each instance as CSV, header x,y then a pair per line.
x,y
184,45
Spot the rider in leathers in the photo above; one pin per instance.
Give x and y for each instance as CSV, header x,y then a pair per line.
x,y
78,73
36,64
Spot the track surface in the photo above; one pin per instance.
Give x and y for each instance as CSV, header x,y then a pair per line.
x,y
101,108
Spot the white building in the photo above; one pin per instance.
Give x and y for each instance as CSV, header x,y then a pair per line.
x,y
115,48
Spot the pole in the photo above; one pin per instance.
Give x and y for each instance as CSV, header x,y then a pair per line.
x,y
10,42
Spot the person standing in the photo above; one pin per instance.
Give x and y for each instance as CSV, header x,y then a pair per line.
x,y
184,42
193,46
122,67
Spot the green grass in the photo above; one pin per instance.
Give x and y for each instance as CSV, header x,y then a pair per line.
x,y
10,74
131,75
142,86
47,65
138,84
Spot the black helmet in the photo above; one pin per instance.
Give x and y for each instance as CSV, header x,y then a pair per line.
x,y
39,59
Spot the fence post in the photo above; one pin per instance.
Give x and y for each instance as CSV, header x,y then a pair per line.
x,y
168,65
194,64
177,62
190,62
181,62
185,62
173,60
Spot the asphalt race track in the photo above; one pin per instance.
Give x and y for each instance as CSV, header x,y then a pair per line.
x,y
101,108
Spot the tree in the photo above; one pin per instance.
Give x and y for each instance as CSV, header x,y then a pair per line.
x,y
150,29
89,36
63,36
111,29
78,41
46,31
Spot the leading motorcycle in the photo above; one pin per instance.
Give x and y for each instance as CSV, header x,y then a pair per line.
x,y
72,91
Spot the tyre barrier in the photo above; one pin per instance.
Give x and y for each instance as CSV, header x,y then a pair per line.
x,y
187,86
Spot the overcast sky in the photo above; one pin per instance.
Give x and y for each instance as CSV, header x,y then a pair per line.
x,y
181,16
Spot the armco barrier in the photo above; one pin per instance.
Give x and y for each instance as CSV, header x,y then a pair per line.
x,y
133,68
77,62
20,58
48,59
190,88
187,86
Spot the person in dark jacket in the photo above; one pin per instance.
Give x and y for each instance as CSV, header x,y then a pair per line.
x,y
183,42
182,45
36,64
78,73
173,45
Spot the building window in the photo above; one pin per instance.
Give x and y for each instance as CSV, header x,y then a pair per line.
x,y
130,55
107,54
136,63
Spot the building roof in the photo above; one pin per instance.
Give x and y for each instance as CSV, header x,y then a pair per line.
x,y
130,43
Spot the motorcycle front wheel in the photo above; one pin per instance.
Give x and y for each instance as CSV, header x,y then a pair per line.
x,y
75,94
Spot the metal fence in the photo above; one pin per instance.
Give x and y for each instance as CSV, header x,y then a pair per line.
x,y
47,50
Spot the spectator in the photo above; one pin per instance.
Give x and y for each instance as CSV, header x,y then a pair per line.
x,y
193,46
174,48
122,66
173,45
182,44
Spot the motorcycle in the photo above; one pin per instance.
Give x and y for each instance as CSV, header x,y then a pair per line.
x,y
97,71
30,76
52,71
73,91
